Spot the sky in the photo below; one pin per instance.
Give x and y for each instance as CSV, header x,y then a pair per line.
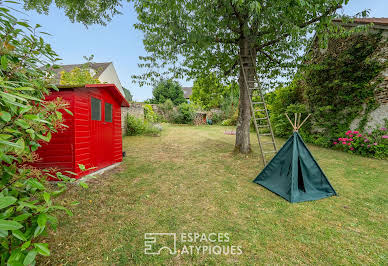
x,y
120,43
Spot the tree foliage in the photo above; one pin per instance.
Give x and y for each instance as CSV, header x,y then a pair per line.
x,y
193,38
86,12
209,92
26,122
128,95
168,89
78,76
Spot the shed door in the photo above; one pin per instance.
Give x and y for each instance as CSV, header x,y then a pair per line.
x,y
101,133
107,131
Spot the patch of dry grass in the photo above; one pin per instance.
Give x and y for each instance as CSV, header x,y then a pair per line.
x,y
189,180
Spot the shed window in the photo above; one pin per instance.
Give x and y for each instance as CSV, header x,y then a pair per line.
x,y
96,109
108,112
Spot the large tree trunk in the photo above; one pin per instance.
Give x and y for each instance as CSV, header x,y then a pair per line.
x,y
243,143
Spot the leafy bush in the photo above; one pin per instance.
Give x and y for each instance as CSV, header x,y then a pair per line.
x,y
372,144
227,122
216,118
231,121
136,126
185,114
27,210
167,109
149,114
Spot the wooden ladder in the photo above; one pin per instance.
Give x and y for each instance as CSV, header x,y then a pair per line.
x,y
260,123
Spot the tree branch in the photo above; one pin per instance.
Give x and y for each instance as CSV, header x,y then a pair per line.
x,y
270,57
303,25
227,72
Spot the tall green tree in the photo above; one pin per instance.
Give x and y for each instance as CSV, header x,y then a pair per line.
x,y
168,89
201,37
193,38
209,91
128,95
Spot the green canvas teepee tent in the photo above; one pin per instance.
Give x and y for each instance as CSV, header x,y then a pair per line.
x,y
294,174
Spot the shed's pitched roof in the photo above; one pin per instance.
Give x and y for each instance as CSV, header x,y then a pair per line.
x,y
187,91
98,67
375,21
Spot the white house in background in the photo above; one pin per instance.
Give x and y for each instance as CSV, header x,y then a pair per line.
x,y
104,72
187,92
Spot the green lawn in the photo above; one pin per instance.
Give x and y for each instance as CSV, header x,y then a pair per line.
x,y
189,180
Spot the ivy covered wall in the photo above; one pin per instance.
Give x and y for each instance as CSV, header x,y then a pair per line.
x,y
339,85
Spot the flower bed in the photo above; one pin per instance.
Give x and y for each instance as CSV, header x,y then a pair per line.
x,y
372,144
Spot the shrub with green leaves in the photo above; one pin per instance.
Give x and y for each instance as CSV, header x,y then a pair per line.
x,y
167,109
149,114
185,114
369,144
136,126
26,120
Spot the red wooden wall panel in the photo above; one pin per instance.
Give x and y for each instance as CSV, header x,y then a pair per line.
x,y
59,152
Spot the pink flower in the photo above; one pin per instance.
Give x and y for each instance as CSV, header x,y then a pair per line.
x,y
350,139
359,135
351,135
344,142
335,142
375,143
355,132
383,129
368,146
362,145
385,137
347,133
349,143
351,148
366,140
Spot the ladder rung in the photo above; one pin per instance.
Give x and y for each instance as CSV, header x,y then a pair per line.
x,y
262,126
267,142
257,102
259,110
269,152
261,118
265,134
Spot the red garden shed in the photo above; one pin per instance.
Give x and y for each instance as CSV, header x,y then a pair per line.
x,y
93,137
